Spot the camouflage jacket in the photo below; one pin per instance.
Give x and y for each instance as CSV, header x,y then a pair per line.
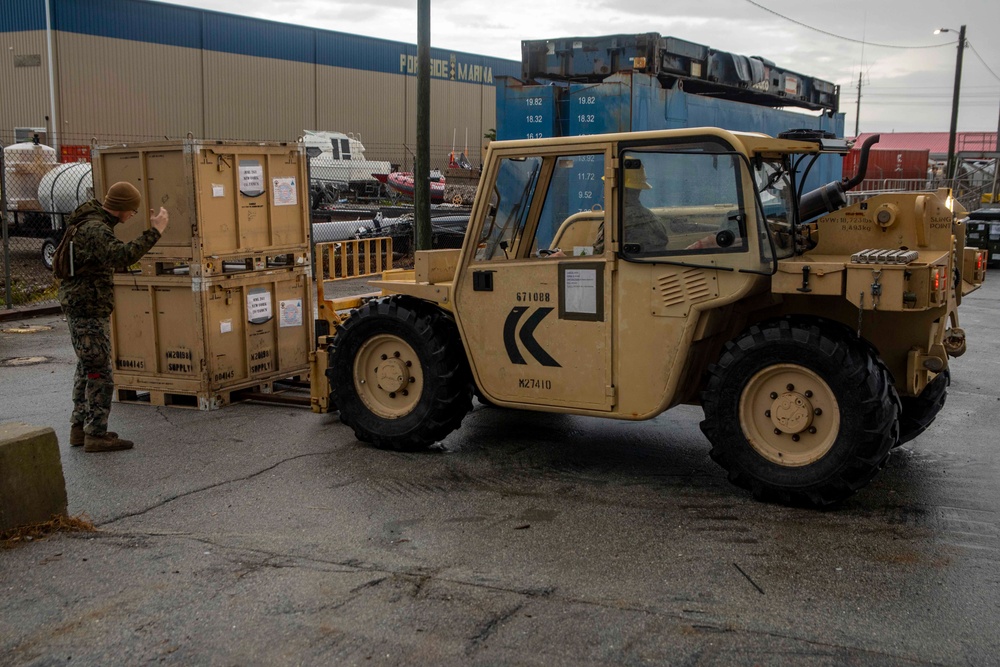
x,y
96,255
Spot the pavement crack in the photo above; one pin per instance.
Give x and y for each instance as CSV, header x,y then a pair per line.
x,y
354,565
491,626
209,487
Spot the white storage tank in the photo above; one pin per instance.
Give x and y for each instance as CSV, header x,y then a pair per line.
x,y
24,166
64,188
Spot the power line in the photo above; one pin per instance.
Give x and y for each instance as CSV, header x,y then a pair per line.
x,y
846,39
969,44
947,87
930,96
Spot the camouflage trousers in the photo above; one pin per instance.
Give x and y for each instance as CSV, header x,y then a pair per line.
x,y
93,384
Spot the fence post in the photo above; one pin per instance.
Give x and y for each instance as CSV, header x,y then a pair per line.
x,y
8,300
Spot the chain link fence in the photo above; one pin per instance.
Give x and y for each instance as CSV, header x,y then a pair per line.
x,y
37,192
350,197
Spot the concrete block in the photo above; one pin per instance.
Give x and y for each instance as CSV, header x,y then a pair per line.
x,y
32,487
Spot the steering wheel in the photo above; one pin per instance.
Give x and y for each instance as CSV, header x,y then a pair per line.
x,y
545,252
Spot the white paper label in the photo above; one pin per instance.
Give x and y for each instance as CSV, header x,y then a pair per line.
x,y
251,178
290,313
258,305
284,193
225,326
580,288
218,190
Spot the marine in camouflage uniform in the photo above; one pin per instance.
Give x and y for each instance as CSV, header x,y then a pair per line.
x,y
87,299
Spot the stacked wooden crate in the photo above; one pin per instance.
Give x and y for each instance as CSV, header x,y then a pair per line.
x,y
223,303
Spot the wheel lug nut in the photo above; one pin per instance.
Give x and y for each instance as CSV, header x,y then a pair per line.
x,y
392,394
777,431
396,354
767,413
384,357
409,363
774,395
812,429
406,393
808,394
795,437
790,387
817,412
413,379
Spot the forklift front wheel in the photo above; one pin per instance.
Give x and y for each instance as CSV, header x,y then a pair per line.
x,y
398,375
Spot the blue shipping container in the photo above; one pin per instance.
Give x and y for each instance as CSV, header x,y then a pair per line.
x,y
637,102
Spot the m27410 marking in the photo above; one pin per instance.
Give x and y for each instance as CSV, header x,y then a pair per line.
x,y
533,383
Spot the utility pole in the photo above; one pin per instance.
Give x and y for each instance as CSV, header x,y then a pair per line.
x,y
422,168
857,114
996,166
954,102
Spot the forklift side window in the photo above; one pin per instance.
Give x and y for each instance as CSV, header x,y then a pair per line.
x,y
681,204
573,214
509,206
774,190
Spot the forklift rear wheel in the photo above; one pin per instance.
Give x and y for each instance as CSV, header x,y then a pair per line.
x,y
920,411
399,375
800,412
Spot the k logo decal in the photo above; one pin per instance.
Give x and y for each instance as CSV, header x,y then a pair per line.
x,y
527,336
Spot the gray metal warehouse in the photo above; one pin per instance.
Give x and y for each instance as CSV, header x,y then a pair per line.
x,y
133,70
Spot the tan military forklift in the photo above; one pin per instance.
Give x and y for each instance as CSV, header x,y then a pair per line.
x,y
620,275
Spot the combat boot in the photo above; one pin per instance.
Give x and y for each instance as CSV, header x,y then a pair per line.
x,y
77,437
109,442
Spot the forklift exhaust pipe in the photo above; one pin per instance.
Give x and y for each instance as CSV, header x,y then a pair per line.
x,y
831,197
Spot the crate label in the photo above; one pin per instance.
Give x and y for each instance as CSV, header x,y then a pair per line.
x,y
179,361
290,313
284,193
261,362
258,305
251,178
225,326
124,364
218,190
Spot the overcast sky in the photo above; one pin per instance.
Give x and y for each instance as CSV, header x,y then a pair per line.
x,y
903,89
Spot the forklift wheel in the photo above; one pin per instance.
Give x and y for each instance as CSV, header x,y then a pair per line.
x,y
802,413
919,411
399,376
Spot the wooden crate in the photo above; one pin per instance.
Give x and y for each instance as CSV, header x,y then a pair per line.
x,y
225,198
205,338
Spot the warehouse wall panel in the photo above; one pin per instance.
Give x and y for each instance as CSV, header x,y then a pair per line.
x,y
136,69
247,97
153,22
371,105
24,79
125,89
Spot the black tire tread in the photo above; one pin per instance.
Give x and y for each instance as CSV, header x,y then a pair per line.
x,y
919,412
447,395
859,373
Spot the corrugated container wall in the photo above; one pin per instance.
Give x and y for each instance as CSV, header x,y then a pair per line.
x,y
129,70
889,164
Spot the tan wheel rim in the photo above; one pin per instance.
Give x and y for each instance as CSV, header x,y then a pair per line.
x,y
789,415
387,376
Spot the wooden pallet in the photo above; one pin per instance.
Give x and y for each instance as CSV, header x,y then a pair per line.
x,y
283,390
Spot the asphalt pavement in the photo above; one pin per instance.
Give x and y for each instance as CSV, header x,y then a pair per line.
x,y
267,535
